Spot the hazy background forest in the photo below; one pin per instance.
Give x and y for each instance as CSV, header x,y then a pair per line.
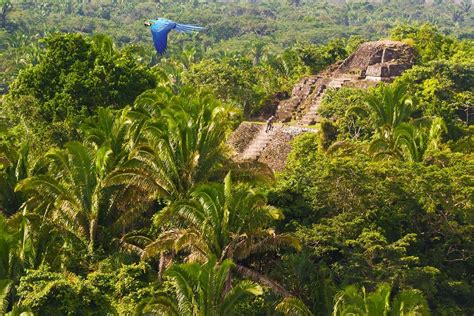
x,y
120,196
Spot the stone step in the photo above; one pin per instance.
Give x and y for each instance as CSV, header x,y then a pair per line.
x,y
259,143
311,114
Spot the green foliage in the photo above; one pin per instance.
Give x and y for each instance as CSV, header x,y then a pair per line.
x,y
291,306
224,222
318,58
426,39
181,142
356,302
416,141
72,191
371,222
327,135
14,167
76,75
230,81
388,107
46,292
126,286
201,290
443,88
132,210
335,107
309,280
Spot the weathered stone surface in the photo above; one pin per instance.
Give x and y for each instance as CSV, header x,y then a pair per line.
x,y
241,137
377,71
276,152
301,91
379,60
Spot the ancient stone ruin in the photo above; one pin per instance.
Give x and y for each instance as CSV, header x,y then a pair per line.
x,y
379,61
371,63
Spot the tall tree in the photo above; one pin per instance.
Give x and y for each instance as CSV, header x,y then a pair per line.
x,y
182,143
201,290
220,221
76,74
411,141
71,194
390,108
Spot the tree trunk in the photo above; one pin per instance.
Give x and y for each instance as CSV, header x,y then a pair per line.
x,y
260,278
92,235
165,261
228,284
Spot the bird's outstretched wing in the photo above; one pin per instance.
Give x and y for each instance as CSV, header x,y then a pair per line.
x,y
160,29
159,32
187,28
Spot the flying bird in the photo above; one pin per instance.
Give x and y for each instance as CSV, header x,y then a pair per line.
x,y
160,29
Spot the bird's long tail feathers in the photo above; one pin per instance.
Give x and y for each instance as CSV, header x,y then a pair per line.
x,y
186,28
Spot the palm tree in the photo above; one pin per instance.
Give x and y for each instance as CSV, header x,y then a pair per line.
x,y
15,257
71,194
109,133
181,143
411,141
200,290
15,165
25,243
388,110
219,221
415,141
353,301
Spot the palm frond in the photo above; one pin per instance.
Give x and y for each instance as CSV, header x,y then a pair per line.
x,y
238,293
160,305
410,303
291,306
261,279
5,288
249,246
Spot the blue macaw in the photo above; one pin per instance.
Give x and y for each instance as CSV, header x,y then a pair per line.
x,y
160,29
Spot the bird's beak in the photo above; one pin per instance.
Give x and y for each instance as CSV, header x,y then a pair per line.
x,y
147,23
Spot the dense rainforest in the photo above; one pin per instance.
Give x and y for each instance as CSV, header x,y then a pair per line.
x,y
119,193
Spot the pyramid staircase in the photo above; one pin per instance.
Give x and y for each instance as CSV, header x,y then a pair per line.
x,y
311,116
313,90
259,143
287,109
